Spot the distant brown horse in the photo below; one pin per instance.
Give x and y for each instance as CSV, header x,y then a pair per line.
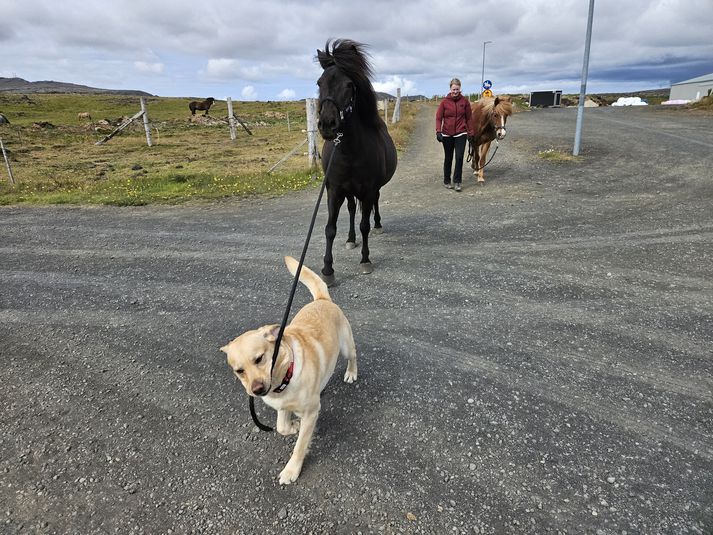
x,y
201,105
488,120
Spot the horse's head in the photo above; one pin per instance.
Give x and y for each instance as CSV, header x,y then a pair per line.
x,y
502,108
210,100
343,84
336,101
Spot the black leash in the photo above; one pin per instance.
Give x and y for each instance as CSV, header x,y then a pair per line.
x,y
260,425
471,153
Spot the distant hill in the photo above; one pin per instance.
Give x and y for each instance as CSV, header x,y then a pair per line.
x,y
380,95
652,96
18,85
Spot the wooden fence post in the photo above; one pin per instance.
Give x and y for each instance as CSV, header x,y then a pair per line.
x,y
313,153
396,117
146,122
7,163
245,127
231,119
287,155
120,128
386,110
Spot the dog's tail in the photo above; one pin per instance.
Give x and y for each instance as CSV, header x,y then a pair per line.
x,y
309,278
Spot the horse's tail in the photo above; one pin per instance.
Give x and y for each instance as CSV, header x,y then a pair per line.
x,y
310,279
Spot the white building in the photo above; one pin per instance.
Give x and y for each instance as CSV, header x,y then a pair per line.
x,y
692,89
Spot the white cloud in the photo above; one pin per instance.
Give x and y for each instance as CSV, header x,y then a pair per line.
x,y
143,66
253,72
287,94
222,68
535,43
249,93
393,82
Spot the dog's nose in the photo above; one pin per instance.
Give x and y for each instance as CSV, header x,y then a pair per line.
x,y
258,388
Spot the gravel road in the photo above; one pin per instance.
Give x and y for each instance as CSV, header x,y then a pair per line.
x,y
535,354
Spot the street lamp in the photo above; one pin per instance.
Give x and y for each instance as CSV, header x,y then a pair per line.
x,y
482,74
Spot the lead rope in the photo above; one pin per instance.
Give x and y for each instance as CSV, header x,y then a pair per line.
x,y
471,153
257,422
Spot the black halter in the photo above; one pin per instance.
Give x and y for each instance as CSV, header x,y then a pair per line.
x,y
345,113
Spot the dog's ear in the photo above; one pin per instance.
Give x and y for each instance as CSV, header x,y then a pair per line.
x,y
270,332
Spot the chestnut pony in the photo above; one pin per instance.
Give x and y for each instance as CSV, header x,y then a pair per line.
x,y
356,139
488,120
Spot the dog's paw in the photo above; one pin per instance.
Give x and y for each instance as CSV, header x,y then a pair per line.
x,y
290,429
289,474
350,377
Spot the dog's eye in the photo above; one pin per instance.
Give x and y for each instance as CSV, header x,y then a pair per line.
x,y
258,360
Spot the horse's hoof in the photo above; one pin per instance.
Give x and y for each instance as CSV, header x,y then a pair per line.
x,y
329,280
481,182
366,268
351,245
379,230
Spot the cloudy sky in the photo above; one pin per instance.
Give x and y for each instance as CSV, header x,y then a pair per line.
x,y
264,50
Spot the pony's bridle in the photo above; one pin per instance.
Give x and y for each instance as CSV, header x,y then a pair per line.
x,y
343,113
500,132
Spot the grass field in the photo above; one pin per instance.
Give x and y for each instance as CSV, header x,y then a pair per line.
x,y
59,162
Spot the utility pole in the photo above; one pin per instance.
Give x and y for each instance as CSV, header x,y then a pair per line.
x,y
482,73
583,89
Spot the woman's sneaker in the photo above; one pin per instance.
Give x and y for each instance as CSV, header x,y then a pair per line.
x,y
448,185
458,188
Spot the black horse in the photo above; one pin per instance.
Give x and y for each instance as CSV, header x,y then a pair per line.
x,y
365,158
201,105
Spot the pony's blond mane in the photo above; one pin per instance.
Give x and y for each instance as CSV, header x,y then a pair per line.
x,y
504,106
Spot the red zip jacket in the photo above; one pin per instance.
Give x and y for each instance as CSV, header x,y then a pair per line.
x,y
453,116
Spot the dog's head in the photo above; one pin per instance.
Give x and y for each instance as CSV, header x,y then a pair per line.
x,y
250,358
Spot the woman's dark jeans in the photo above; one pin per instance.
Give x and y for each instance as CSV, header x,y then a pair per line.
x,y
451,145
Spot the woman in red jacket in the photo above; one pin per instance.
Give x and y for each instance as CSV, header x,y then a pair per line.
x,y
452,120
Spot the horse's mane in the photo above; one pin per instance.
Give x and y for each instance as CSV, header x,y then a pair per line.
x,y
350,58
504,105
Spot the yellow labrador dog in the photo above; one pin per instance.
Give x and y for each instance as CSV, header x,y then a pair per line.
x,y
309,350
